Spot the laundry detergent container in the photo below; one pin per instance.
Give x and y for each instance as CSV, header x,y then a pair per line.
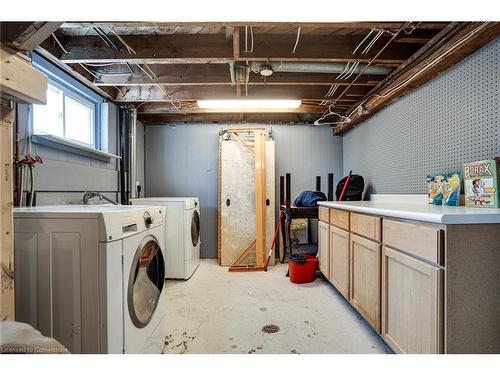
x,y
302,268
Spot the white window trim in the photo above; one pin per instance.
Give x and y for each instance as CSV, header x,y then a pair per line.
x,y
91,105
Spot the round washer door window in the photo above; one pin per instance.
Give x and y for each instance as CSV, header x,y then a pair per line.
x,y
147,276
195,228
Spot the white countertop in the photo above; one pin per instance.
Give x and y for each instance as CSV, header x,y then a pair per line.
x,y
415,209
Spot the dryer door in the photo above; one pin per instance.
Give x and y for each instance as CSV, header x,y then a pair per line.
x,y
195,228
146,279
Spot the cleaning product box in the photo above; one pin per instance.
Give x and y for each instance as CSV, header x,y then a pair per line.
x,y
481,183
444,189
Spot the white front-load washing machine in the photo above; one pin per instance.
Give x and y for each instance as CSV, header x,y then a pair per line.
x,y
182,234
92,276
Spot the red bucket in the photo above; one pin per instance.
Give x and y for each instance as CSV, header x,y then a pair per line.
x,y
302,269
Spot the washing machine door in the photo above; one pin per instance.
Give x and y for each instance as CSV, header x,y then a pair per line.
x,y
195,228
146,279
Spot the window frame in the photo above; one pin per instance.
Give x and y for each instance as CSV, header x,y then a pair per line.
x,y
80,96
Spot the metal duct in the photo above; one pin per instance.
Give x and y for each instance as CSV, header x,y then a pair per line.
x,y
313,67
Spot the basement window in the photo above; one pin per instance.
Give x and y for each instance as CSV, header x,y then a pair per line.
x,y
66,115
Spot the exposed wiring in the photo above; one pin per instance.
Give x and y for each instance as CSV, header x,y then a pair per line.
x,y
433,62
168,97
60,44
374,58
129,49
150,71
151,75
412,28
251,39
105,38
346,119
296,40
364,40
333,89
120,91
352,70
374,40
246,38
90,72
343,71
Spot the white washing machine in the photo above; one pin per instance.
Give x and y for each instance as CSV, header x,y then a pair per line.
x,y
182,234
92,276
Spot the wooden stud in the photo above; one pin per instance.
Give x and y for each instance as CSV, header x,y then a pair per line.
x,y
260,196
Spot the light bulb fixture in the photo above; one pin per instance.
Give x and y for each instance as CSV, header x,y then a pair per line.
x,y
249,104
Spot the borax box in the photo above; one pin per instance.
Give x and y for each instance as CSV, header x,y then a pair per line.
x,y
481,183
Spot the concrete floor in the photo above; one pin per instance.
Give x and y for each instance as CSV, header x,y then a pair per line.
x,y
221,312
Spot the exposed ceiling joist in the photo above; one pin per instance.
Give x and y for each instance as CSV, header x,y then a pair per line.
x,y
205,48
155,94
338,25
205,118
443,52
25,36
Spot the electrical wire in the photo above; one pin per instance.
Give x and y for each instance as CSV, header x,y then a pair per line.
x,y
296,40
433,62
129,49
251,39
60,44
246,38
352,70
374,40
343,71
90,72
347,118
364,40
168,97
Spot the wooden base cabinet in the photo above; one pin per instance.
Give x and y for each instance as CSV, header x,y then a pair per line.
x,y
365,278
411,304
324,248
339,260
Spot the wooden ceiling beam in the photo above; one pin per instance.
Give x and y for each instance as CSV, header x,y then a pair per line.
x,y
206,48
332,25
462,40
155,94
25,36
222,118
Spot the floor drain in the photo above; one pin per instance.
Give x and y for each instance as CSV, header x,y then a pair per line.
x,y
270,328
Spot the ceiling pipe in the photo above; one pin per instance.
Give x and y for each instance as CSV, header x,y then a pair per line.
x,y
313,67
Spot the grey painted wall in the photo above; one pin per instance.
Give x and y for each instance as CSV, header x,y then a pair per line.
x,y
182,161
65,171
452,119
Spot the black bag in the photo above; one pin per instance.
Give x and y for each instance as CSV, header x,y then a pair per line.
x,y
309,198
354,190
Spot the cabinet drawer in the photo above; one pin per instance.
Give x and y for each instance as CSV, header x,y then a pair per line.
x,y
366,226
324,214
339,218
423,241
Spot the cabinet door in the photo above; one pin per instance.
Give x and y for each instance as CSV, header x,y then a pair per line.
x,y
323,248
411,304
365,279
339,260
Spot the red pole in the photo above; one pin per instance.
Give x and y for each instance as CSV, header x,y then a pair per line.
x,y
274,241
345,186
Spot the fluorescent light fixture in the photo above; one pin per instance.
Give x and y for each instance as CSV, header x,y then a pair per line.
x,y
249,104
